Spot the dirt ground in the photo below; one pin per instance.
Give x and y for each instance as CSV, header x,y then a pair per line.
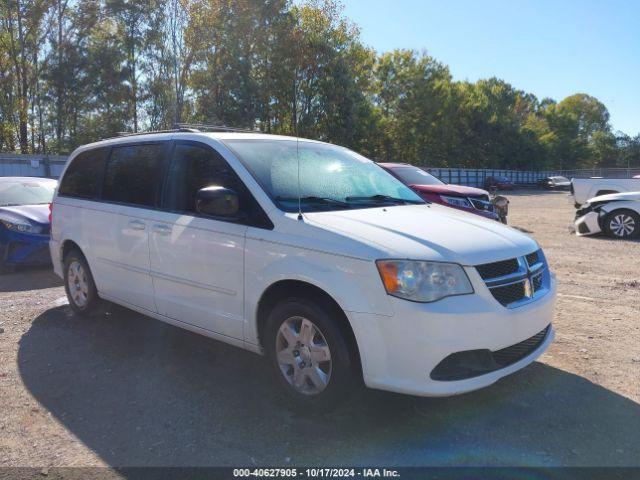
x,y
126,390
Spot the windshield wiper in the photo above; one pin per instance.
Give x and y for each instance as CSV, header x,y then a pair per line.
x,y
315,200
379,198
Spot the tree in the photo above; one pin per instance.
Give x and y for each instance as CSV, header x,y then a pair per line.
x,y
74,71
23,32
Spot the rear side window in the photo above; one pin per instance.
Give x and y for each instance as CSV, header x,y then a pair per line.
x,y
84,175
133,174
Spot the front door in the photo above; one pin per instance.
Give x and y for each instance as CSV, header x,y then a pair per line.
x,y
197,262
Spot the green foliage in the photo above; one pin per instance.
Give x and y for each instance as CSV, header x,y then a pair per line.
x,y
75,71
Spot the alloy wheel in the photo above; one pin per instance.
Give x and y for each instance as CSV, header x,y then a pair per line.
x,y
78,284
303,355
622,225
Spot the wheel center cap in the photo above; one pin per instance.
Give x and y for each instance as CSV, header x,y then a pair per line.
x,y
305,354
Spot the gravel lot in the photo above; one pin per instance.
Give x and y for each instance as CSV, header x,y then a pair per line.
x,y
126,390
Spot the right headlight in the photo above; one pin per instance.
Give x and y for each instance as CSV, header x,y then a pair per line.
x,y
421,281
20,226
457,201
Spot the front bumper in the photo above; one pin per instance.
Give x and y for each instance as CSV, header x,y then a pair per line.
x,y
588,224
399,353
24,249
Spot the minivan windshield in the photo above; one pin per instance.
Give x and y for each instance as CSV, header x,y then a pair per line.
x,y
416,176
330,177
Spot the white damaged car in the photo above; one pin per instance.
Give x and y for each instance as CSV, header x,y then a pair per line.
x,y
615,214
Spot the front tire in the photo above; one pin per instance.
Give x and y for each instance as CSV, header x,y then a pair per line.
x,y
79,285
309,353
622,224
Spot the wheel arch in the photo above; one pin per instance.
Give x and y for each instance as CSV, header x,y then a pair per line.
x,y
67,246
282,289
620,207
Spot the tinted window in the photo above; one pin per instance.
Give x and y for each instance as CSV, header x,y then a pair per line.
x,y
415,176
192,168
133,174
84,174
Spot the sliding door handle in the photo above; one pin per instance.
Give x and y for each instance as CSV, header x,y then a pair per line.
x,y
137,224
162,229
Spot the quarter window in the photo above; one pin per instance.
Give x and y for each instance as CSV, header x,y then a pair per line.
x,y
83,176
133,174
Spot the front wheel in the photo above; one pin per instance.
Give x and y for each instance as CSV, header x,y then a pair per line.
x,y
622,224
79,285
309,353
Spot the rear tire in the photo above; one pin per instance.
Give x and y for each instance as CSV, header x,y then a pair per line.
x,y
309,354
79,285
622,224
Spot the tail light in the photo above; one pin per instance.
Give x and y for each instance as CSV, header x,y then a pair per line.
x,y
50,213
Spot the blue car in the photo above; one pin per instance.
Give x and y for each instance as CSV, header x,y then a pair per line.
x,y
24,221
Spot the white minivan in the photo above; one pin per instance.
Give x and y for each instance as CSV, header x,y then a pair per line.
x,y
306,252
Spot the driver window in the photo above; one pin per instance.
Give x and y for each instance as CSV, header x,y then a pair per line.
x,y
192,168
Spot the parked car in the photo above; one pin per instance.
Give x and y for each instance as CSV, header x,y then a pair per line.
x,y
306,252
616,214
498,183
555,183
431,189
24,221
582,189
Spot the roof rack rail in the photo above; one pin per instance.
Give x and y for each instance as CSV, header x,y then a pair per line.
x,y
133,134
211,128
189,127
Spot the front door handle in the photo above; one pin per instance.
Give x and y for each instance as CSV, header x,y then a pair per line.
x,y
137,224
162,229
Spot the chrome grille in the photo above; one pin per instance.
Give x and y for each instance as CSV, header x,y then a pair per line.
x,y
532,258
497,269
517,281
509,293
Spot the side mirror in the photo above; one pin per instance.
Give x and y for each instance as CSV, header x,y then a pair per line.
x,y
217,202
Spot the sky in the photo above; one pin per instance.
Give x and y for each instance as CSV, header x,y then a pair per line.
x,y
549,48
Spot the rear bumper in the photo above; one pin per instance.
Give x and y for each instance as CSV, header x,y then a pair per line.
x,y
56,257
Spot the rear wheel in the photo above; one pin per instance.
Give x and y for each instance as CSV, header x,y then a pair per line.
x,y
309,353
622,224
79,285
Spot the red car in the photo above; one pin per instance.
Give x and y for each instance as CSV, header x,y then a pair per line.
x,y
499,183
469,199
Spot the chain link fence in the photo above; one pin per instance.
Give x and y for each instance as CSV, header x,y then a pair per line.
x,y
15,165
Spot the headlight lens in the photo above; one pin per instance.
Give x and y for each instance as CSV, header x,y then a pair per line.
x,y
456,201
21,227
423,281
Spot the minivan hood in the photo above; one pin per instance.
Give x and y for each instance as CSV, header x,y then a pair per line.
x,y
427,232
